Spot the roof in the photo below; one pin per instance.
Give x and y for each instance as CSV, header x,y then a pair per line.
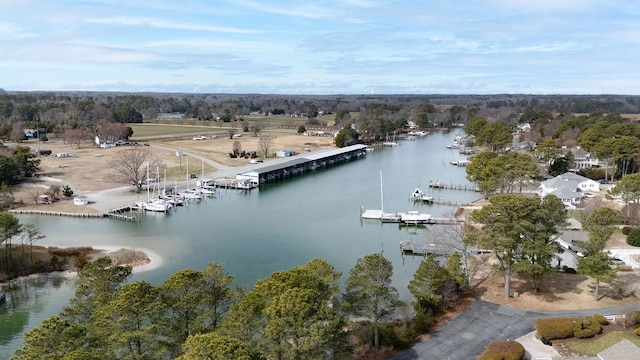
x,y
567,177
622,350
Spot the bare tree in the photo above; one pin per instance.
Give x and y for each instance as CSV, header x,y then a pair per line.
x,y
110,131
130,166
54,190
32,234
236,147
77,136
265,144
256,129
231,132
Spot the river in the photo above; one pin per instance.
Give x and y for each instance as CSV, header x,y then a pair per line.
x,y
275,227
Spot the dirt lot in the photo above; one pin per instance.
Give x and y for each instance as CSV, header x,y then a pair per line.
x,y
87,169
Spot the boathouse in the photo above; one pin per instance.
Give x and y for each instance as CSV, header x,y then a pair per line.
x,y
303,164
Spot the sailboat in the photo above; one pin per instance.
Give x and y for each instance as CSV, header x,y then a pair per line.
x,y
204,184
155,204
380,214
191,194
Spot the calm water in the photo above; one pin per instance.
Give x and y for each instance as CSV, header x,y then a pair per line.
x,y
255,233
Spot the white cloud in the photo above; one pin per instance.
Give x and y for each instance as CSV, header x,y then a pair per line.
x,y
142,21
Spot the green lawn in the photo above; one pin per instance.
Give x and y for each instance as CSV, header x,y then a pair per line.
x,y
147,131
591,347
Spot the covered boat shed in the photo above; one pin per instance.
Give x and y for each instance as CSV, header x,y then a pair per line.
x,y
303,164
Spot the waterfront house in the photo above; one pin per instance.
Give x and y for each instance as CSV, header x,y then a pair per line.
x,y
570,188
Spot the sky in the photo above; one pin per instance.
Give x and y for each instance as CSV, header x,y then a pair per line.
x,y
322,47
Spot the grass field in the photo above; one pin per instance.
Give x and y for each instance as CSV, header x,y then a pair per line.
x,y
591,347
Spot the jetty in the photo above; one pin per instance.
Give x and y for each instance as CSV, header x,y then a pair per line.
x,y
443,185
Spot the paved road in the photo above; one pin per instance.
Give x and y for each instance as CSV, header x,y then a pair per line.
x,y
467,335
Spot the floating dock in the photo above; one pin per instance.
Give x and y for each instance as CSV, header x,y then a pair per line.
x,y
114,214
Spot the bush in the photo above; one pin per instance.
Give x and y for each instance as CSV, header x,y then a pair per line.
x,y
637,331
601,319
633,238
555,328
503,350
626,230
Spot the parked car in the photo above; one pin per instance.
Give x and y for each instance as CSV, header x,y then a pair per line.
x,y
255,161
603,181
616,261
588,195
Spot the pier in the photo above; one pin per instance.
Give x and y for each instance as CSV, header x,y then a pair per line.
x,y
406,218
114,214
409,248
443,185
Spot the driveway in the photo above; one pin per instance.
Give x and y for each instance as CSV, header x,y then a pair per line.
x,y
467,335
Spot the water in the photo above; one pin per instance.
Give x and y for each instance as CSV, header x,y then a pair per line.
x,y
255,233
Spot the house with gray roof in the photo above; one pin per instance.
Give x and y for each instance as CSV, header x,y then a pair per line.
x,y
567,240
569,188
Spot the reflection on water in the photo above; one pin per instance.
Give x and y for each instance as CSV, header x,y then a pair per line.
x,y
29,301
280,226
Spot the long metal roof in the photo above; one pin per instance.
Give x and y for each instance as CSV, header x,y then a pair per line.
x,y
303,159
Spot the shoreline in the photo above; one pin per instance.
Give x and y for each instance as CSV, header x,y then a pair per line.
x,y
153,261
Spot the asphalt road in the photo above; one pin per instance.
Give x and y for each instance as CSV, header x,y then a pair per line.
x,y
467,335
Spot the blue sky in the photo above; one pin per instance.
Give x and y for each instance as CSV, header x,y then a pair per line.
x,y
322,47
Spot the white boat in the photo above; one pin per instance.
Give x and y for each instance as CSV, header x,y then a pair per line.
x,y
390,143
155,205
191,194
207,190
414,217
419,195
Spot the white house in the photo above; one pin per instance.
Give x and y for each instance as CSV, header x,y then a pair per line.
x,y
582,158
572,252
569,188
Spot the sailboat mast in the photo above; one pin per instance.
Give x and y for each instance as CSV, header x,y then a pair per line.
x,y
381,194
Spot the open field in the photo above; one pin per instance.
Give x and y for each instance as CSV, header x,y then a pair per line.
x,y
88,169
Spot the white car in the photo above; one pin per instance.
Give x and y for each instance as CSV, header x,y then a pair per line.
x,y
255,161
588,195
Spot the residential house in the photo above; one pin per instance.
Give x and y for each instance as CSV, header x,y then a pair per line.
x,y
569,188
572,252
582,158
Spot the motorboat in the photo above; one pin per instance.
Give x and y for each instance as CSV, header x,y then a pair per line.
x,y
207,190
419,195
415,217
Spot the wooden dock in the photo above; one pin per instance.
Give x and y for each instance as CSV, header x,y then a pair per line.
x,y
409,248
443,185
114,214
396,217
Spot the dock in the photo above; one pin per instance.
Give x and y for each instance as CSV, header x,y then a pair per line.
x,y
409,248
114,214
443,185
406,218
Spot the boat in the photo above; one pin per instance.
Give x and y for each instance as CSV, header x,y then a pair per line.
x,y
192,194
207,190
414,218
419,195
155,205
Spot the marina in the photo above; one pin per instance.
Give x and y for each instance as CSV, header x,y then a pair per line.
x,y
249,231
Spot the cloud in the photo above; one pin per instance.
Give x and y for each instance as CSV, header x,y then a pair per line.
x,y
156,23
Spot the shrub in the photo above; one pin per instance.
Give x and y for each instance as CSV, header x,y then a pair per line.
x,y
637,331
633,238
626,230
503,350
601,319
555,328
586,327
